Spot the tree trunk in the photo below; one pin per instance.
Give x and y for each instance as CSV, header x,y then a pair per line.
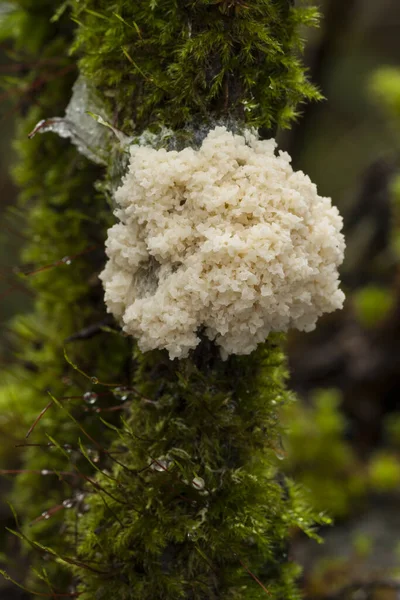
x,y
183,497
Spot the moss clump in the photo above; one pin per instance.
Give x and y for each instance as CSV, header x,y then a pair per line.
x,y
171,63
384,472
319,456
62,216
372,305
385,87
197,502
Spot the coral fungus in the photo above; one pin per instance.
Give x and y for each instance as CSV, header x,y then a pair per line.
x,y
226,238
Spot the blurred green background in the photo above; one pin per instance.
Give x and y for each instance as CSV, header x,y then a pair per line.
x,y
343,436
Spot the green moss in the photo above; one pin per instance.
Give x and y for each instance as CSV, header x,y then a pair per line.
x,y
385,87
170,63
196,490
384,472
320,458
63,217
372,305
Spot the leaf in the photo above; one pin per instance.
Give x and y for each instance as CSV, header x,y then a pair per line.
x,y
58,446
134,26
122,138
60,11
96,14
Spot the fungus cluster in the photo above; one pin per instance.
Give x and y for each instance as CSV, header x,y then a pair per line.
x,y
226,240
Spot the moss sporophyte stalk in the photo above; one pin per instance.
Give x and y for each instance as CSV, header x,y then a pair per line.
x,y
145,477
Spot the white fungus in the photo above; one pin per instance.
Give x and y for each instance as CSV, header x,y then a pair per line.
x,y
227,240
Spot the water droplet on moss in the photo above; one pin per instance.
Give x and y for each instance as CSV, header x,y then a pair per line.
x,y
279,450
94,380
160,465
198,483
121,393
90,397
95,457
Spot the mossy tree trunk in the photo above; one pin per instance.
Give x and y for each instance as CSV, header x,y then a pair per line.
x,y
184,498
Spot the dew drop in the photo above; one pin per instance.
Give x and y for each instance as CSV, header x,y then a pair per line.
x,y
95,457
121,393
94,380
45,515
90,397
279,455
198,483
68,503
45,472
279,450
66,260
161,465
